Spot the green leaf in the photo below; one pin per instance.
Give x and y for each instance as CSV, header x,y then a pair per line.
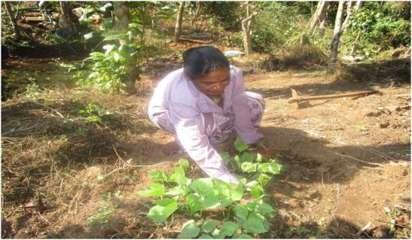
x,y
263,179
264,209
240,146
229,228
257,191
248,167
162,210
205,236
271,167
241,212
247,157
255,224
184,163
203,186
179,176
177,191
154,190
189,230
193,203
236,192
209,225
158,176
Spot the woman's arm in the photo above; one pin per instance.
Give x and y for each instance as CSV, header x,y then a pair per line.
x,y
244,126
191,135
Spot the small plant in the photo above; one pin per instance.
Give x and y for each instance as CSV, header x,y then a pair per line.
x,y
93,113
104,212
109,70
244,212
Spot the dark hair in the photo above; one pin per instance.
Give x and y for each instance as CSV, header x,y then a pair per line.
x,y
199,61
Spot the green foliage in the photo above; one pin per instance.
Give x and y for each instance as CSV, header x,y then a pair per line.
x,y
243,206
227,13
109,70
376,27
276,24
162,210
93,113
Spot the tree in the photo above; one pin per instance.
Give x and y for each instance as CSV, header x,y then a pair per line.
x,y
11,14
122,21
121,15
68,22
317,16
246,28
338,30
179,18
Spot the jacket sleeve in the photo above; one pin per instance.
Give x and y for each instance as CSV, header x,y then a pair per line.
x,y
191,135
244,126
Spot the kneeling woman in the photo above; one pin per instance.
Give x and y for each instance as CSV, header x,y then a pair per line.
x,y
203,104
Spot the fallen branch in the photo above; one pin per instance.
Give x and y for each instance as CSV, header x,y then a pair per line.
x,y
195,40
297,98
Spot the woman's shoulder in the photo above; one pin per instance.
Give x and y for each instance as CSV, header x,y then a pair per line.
x,y
179,88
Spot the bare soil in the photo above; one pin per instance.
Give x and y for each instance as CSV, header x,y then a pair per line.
x,y
347,160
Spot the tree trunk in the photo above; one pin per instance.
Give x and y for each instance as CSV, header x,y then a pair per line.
x,y
246,28
178,26
122,20
334,46
317,15
10,12
68,22
196,13
121,15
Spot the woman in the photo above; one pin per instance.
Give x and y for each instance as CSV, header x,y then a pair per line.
x,y
203,103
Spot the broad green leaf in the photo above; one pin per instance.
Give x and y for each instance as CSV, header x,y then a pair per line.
x,y
184,163
257,191
248,167
189,230
241,212
240,146
205,236
264,209
255,224
162,210
179,176
229,228
193,203
263,179
209,225
210,201
236,192
154,190
177,191
271,167
158,176
247,157
203,186
207,191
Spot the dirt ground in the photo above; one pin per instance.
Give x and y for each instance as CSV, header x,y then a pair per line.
x,y
347,160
